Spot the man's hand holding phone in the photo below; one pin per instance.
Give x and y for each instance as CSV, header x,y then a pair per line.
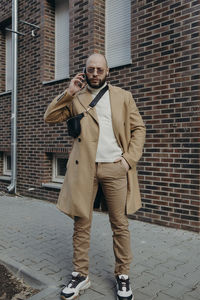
x,y
76,84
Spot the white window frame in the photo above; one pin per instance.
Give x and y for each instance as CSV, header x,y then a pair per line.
x,y
6,171
55,176
61,39
116,54
8,60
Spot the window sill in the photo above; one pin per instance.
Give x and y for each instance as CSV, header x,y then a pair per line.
x,y
55,80
5,93
52,185
5,178
121,65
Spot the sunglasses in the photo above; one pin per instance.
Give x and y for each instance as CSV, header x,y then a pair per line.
x,y
91,70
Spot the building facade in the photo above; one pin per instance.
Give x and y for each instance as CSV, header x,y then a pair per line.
x,y
153,50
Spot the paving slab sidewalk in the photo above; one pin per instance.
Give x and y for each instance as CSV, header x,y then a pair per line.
x,y
38,237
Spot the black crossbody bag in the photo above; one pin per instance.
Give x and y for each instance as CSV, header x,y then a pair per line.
x,y
74,123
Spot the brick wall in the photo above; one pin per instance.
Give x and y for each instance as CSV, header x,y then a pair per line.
x,y
47,40
163,78
165,82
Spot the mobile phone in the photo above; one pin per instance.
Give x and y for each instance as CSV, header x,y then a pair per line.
x,y
82,80
84,71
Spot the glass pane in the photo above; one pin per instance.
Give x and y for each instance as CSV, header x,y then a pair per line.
x,y
8,162
8,60
61,166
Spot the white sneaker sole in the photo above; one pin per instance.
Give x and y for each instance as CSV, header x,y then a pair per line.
x,y
81,291
131,299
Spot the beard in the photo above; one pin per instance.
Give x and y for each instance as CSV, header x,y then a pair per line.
x,y
96,85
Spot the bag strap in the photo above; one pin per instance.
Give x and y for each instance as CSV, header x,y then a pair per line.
x,y
98,97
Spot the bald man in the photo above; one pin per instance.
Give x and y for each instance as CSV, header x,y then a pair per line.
x,y
105,153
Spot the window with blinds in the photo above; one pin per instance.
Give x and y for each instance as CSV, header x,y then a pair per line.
x,y
118,32
8,37
61,39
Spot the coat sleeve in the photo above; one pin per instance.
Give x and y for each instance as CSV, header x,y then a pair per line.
x,y
138,132
60,109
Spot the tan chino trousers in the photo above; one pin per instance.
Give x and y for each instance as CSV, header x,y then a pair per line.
x,y
113,180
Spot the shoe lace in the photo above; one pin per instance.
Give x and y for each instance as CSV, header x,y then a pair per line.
x,y
123,284
74,281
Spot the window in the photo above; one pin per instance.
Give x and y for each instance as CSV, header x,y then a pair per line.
x,y
7,164
59,167
118,32
5,56
55,40
61,39
8,38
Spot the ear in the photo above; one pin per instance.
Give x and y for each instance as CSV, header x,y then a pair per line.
x,y
107,71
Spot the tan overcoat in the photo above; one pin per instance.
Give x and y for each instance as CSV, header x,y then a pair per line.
x,y
77,190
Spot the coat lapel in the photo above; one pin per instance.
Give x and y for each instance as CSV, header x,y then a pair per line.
x,y
85,98
116,106
115,102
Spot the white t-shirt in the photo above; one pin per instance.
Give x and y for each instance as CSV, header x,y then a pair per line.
x,y
108,149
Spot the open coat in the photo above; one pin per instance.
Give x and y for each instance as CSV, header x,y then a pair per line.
x,y
77,190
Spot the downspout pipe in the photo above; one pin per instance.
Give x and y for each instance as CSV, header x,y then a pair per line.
x,y
12,187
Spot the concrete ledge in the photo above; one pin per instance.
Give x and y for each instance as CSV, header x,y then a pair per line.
x,y
5,93
5,178
56,80
31,277
52,185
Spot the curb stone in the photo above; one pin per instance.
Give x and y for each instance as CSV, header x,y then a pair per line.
x,y
32,278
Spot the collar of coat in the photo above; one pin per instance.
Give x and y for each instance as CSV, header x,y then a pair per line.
x,y
85,97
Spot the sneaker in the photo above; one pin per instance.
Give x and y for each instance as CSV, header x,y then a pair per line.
x,y
124,291
77,283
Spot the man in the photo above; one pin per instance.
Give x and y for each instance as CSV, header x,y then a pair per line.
x,y
106,153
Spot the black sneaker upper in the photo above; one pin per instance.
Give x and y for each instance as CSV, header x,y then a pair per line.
x,y
72,287
75,281
123,288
